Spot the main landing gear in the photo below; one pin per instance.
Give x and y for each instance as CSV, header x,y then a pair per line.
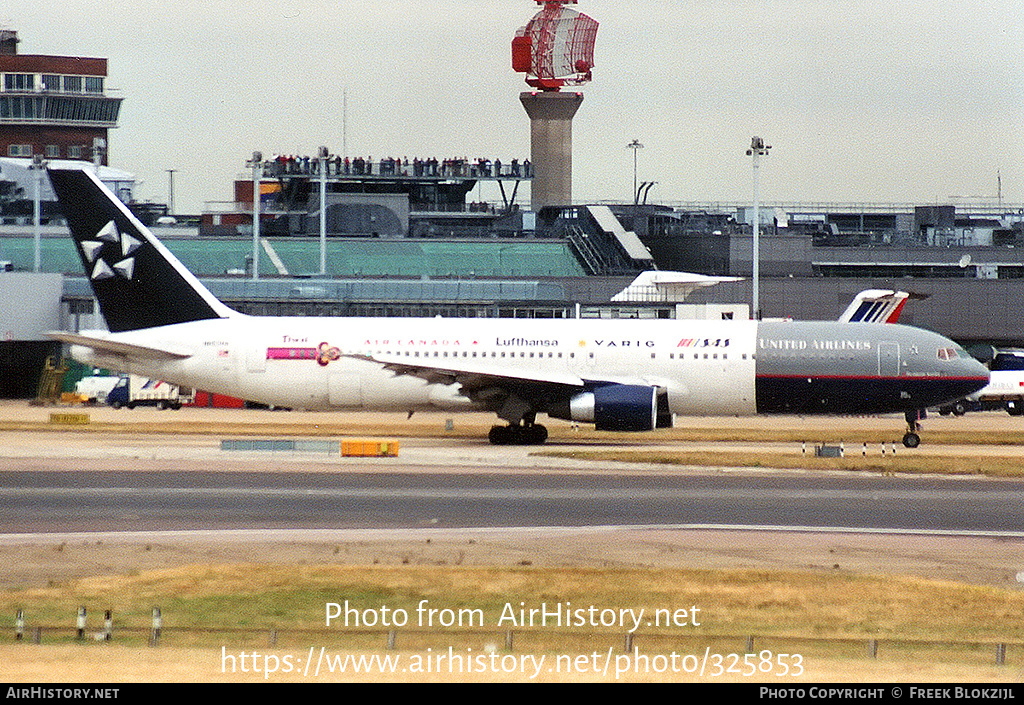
x,y
912,438
532,434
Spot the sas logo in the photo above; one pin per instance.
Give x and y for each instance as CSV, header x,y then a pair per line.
x,y
703,343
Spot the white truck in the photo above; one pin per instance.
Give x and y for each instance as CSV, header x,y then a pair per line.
x,y
95,388
133,390
1005,389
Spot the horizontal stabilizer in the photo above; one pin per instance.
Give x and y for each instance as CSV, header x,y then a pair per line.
x,y
667,287
118,347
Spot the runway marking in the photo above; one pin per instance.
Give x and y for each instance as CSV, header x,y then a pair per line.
x,y
318,535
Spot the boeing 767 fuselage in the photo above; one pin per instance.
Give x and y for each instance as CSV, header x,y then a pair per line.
x,y
620,375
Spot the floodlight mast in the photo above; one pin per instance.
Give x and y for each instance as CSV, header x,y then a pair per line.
x,y
757,150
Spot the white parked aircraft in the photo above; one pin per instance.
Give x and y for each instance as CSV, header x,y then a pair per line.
x,y
620,375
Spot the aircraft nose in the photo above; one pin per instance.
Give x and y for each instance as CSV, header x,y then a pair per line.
x,y
979,369
976,369
971,376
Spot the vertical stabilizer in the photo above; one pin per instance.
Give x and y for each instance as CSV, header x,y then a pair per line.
x,y
137,281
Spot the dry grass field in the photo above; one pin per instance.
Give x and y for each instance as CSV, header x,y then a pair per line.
x,y
937,630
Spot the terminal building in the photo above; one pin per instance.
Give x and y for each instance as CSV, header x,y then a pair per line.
x,y
57,107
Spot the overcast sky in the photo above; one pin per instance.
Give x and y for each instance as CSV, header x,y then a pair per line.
x,y
873,100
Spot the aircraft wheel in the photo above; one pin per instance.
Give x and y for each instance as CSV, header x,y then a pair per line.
x,y
911,439
534,434
499,435
959,409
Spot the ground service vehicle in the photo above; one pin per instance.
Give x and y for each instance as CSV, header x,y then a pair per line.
x,y
134,390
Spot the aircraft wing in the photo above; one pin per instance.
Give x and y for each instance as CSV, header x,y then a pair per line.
x,y
468,375
118,347
490,383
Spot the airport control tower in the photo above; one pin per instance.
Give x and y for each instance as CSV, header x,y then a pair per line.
x,y
554,49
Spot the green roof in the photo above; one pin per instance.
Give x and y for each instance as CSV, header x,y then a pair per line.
x,y
212,256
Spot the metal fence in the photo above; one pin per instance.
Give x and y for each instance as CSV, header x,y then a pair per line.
x,y
999,653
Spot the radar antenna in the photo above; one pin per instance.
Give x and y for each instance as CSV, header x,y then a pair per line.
x,y
556,47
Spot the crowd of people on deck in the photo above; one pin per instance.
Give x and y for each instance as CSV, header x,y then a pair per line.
x,y
336,165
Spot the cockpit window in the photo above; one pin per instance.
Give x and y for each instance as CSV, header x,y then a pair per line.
x,y
952,353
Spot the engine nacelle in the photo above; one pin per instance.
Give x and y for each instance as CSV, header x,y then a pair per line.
x,y
618,407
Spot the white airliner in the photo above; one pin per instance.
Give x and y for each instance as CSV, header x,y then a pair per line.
x,y
620,375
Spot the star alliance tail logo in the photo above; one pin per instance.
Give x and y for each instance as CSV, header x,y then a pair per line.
x,y
107,239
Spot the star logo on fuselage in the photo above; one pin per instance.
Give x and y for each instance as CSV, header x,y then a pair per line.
x,y
110,238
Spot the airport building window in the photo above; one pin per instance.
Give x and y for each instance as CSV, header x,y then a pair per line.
x,y
19,82
51,82
72,84
93,84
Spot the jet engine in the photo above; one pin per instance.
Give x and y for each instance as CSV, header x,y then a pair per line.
x,y
618,407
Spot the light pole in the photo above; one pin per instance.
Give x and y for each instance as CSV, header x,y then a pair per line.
x,y
757,150
38,165
636,147
257,176
323,210
170,191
